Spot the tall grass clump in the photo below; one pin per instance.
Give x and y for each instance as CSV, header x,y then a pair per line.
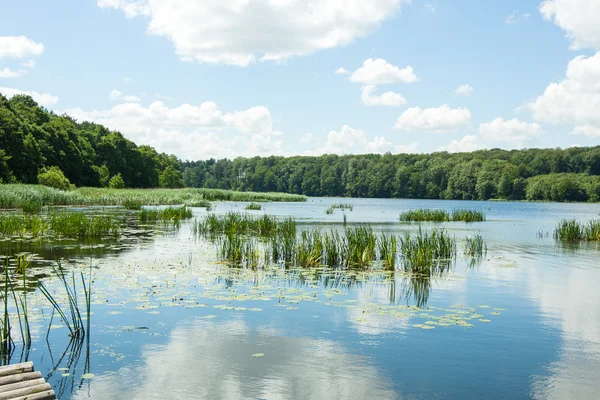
x,y
468,215
239,250
244,224
425,253
19,224
388,250
254,206
309,250
573,230
169,214
132,204
475,246
78,225
339,206
361,245
425,215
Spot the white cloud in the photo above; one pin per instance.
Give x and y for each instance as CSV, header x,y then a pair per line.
x,y
190,131
579,18
241,32
390,99
515,17
463,90
511,131
342,71
379,71
19,47
44,99
161,97
576,99
587,130
132,99
114,94
9,73
466,144
354,141
440,119
430,7
29,64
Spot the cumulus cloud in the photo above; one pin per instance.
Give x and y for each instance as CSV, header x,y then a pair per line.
x,y
191,131
587,130
29,64
511,131
436,119
390,99
574,100
19,47
114,94
355,141
578,18
242,32
466,144
463,90
132,99
342,71
516,17
379,71
9,73
44,99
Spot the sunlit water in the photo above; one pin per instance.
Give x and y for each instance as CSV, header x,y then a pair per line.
x,y
169,321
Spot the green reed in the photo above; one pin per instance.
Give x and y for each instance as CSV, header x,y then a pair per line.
x,y
388,250
132,204
239,250
254,206
361,245
573,230
468,215
475,246
339,206
168,214
427,252
425,215
79,225
309,249
243,224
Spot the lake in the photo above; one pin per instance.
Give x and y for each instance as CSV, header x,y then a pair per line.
x,y
169,320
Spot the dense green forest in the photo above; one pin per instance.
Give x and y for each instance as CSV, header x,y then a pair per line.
x,y
33,138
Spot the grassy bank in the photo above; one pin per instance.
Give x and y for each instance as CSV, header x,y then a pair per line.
x,y
31,198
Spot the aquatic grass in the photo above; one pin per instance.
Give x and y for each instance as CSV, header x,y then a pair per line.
x,y
254,206
425,215
427,252
468,215
168,214
361,244
79,225
339,206
239,250
475,246
132,204
388,250
243,224
309,250
572,230
19,224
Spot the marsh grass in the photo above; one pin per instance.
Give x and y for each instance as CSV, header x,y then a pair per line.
x,y
442,216
254,206
388,250
79,225
244,224
475,246
168,214
426,252
572,230
132,204
339,206
33,197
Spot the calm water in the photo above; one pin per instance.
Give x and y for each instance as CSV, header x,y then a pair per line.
x,y
169,321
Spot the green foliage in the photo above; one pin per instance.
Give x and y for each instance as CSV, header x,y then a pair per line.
x,y
427,253
442,216
573,230
171,214
254,206
116,182
55,178
66,224
235,223
468,215
475,246
132,204
170,178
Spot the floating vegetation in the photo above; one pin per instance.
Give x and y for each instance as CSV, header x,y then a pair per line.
x,y
254,206
339,206
475,246
242,224
572,230
442,216
168,214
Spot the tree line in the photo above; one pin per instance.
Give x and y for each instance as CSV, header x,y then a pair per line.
x,y
35,143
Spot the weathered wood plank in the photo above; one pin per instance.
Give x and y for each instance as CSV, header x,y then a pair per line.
x,y
27,376
45,395
21,385
16,368
25,391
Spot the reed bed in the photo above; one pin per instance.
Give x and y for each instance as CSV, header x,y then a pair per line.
x,y
243,224
442,216
427,252
475,246
254,207
169,214
68,224
572,230
339,206
33,197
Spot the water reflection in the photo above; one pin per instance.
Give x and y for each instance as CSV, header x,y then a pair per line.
x,y
215,361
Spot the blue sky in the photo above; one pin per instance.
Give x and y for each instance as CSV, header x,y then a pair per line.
x,y
203,79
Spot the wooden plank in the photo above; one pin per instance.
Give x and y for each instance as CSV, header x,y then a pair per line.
x,y
27,376
21,385
45,395
25,391
16,368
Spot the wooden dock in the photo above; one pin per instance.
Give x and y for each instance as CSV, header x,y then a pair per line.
x,y
21,382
